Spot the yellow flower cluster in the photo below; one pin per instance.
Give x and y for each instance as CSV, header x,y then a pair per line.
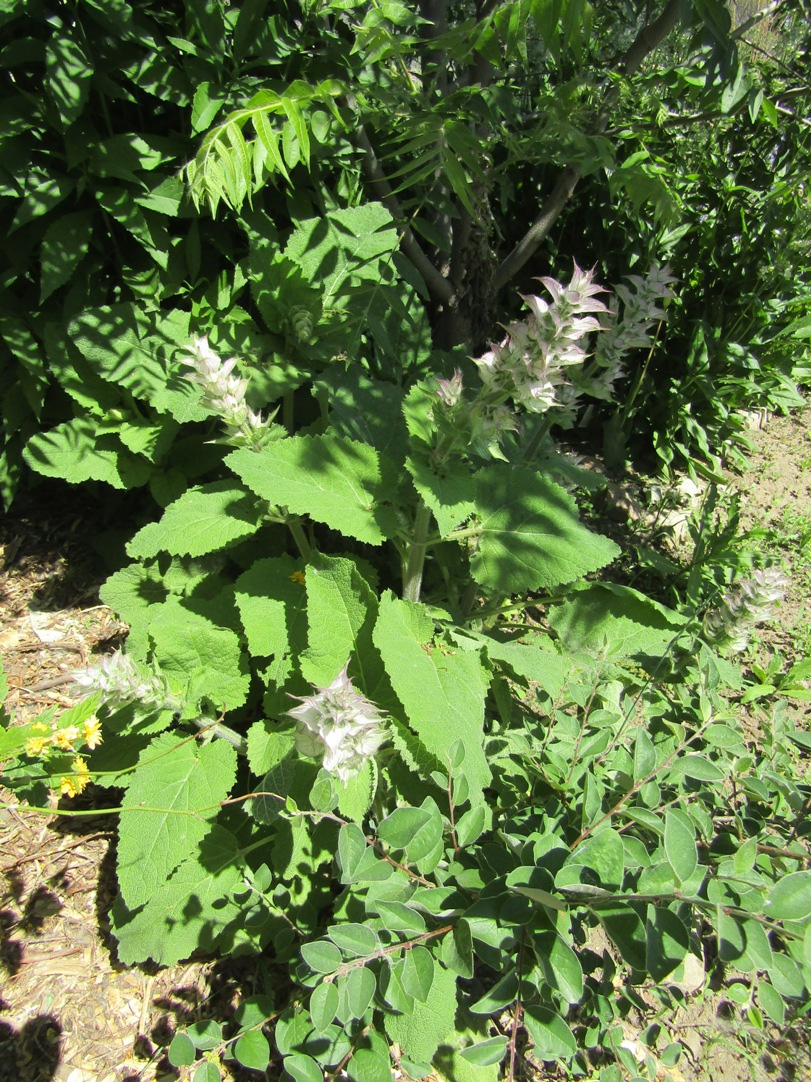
x,y
64,739
72,786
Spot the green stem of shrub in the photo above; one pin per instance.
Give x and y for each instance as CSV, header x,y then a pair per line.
x,y
299,536
412,578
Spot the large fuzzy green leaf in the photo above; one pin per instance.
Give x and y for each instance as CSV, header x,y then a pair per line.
x,y
605,612
420,1033
137,351
206,658
188,911
343,247
531,537
442,690
341,611
337,481
168,810
203,520
75,452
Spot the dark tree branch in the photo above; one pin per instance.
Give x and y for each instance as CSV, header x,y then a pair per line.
x,y
648,38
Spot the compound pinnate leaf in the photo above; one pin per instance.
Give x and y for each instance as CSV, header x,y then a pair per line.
x,y
551,1035
336,481
321,956
790,897
369,1065
169,807
207,1072
68,74
353,939
303,1068
323,1006
401,827
680,844
531,537
203,520
252,1050
360,989
418,974
182,1052
561,965
668,942
485,1052
600,859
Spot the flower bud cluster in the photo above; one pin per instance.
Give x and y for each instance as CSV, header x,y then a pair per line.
x,y
643,305
747,603
338,725
224,394
531,365
121,681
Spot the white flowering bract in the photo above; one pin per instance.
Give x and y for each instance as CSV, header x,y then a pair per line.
x,y
224,393
121,681
746,603
643,305
530,364
338,725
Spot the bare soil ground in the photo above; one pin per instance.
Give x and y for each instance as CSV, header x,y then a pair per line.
x,y
70,1012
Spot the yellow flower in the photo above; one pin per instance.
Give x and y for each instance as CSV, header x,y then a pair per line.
x,y
35,745
92,732
65,738
298,576
69,787
39,727
73,786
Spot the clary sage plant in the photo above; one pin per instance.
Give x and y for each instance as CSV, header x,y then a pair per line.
x,y
376,719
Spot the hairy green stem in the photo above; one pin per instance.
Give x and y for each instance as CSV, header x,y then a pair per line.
x,y
224,733
412,577
544,424
299,536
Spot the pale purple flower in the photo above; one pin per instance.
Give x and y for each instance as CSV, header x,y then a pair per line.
x,y
338,725
746,603
450,390
224,393
529,365
121,680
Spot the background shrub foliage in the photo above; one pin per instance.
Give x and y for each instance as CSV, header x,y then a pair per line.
x,y
472,818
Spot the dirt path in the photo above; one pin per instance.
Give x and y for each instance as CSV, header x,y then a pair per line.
x,y
69,1012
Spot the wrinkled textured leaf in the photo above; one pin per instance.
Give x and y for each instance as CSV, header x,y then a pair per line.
x,y
203,520
187,911
531,537
181,782
420,1033
337,481
442,691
